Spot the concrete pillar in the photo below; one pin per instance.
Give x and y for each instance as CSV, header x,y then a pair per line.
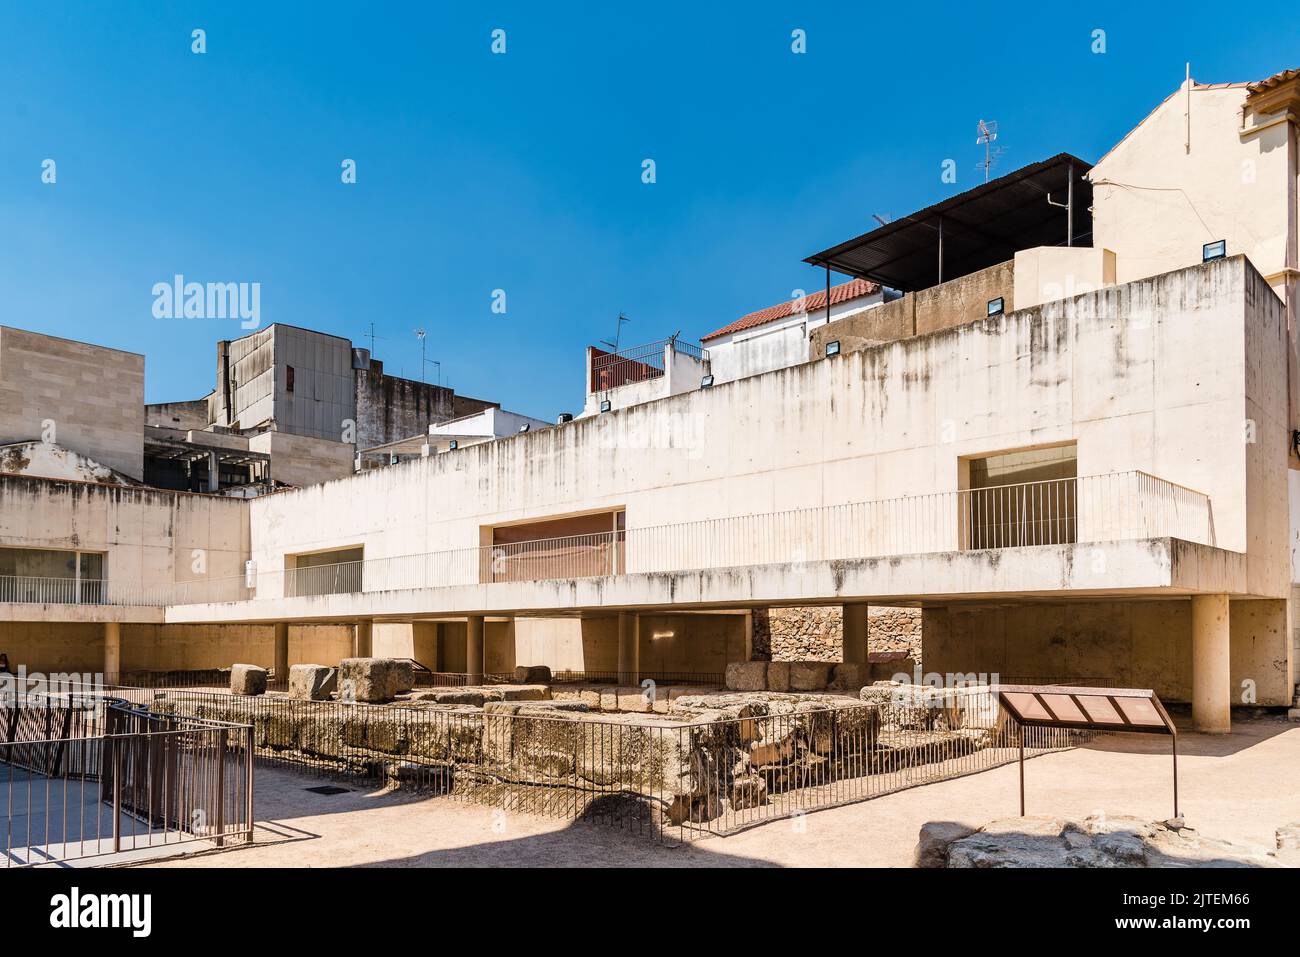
x,y
363,639
474,648
214,472
629,649
282,651
853,639
1211,658
112,651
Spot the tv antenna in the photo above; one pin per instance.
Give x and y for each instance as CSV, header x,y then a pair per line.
x,y
884,220
618,333
372,337
421,335
988,134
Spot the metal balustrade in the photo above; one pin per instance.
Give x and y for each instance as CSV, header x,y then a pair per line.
x,y
1113,507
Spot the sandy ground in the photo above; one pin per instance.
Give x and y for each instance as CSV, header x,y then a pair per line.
x,y
1240,787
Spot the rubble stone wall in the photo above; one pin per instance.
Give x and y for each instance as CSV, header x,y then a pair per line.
x,y
815,633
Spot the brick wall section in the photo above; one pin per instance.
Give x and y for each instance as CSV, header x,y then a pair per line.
x,y
815,633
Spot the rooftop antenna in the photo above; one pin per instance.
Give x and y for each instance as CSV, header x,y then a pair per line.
x,y
989,133
420,334
882,220
372,337
618,333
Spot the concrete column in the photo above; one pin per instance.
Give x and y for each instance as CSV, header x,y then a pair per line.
x,y
1211,676
474,648
112,651
214,472
853,639
629,649
282,651
363,639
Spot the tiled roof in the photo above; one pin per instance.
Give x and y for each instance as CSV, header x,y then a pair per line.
x,y
817,301
1259,86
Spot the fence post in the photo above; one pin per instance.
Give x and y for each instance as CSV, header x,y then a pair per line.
x,y
248,760
117,794
221,788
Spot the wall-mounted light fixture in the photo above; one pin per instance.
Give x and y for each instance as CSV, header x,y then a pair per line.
x,y
453,445
996,307
832,348
604,405
564,417
706,382
1215,250
524,428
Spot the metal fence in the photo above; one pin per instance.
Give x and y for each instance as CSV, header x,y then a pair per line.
x,y
84,776
1112,507
674,777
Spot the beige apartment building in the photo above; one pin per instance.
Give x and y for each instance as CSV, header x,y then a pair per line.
x,y
1066,436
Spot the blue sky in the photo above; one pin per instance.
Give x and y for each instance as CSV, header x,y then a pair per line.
x,y
522,171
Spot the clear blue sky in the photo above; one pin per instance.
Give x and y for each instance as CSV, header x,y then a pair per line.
x,y
523,172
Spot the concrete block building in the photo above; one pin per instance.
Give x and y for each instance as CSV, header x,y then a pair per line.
x,y
1067,436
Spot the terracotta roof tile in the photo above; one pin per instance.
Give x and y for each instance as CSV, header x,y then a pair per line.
x,y
841,293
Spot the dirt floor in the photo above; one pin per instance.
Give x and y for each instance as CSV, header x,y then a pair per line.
x,y
1239,787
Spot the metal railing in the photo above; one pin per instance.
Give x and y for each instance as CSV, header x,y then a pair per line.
x,y
610,370
675,777
1111,507
86,776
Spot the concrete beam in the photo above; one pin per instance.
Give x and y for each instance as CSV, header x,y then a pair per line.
x,y
281,651
474,648
854,634
1211,665
112,651
629,649
363,639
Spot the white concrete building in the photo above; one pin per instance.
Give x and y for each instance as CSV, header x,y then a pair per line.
x,y
1079,469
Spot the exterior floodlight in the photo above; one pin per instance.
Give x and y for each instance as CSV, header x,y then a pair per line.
x,y
706,382
524,428
453,445
996,306
832,348
392,459
605,405
564,417
1214,250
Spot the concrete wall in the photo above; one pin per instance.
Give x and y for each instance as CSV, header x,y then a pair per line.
x,y
71,646
1128,644
85,398
1158,375
1048,273
185,415
149,536
303,459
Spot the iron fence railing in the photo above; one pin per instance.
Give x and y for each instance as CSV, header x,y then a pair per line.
x,y
1111,507
675,777
83,776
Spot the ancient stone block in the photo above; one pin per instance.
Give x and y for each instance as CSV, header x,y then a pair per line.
x,y
778,676
372,680
936,837
247,680
312,682
809,675
747,676
532,675
525,693
850,676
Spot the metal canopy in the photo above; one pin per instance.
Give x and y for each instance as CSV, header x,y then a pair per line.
x,y
973,230
1086,709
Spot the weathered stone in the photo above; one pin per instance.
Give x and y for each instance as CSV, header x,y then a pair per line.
x,y
403,675
850,676
1288,837
525,693
809,675
312,682
1099,841
748,791
936,837
747,676
778,676
588,696
372,680
633,701
532,675
247,680
816,633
